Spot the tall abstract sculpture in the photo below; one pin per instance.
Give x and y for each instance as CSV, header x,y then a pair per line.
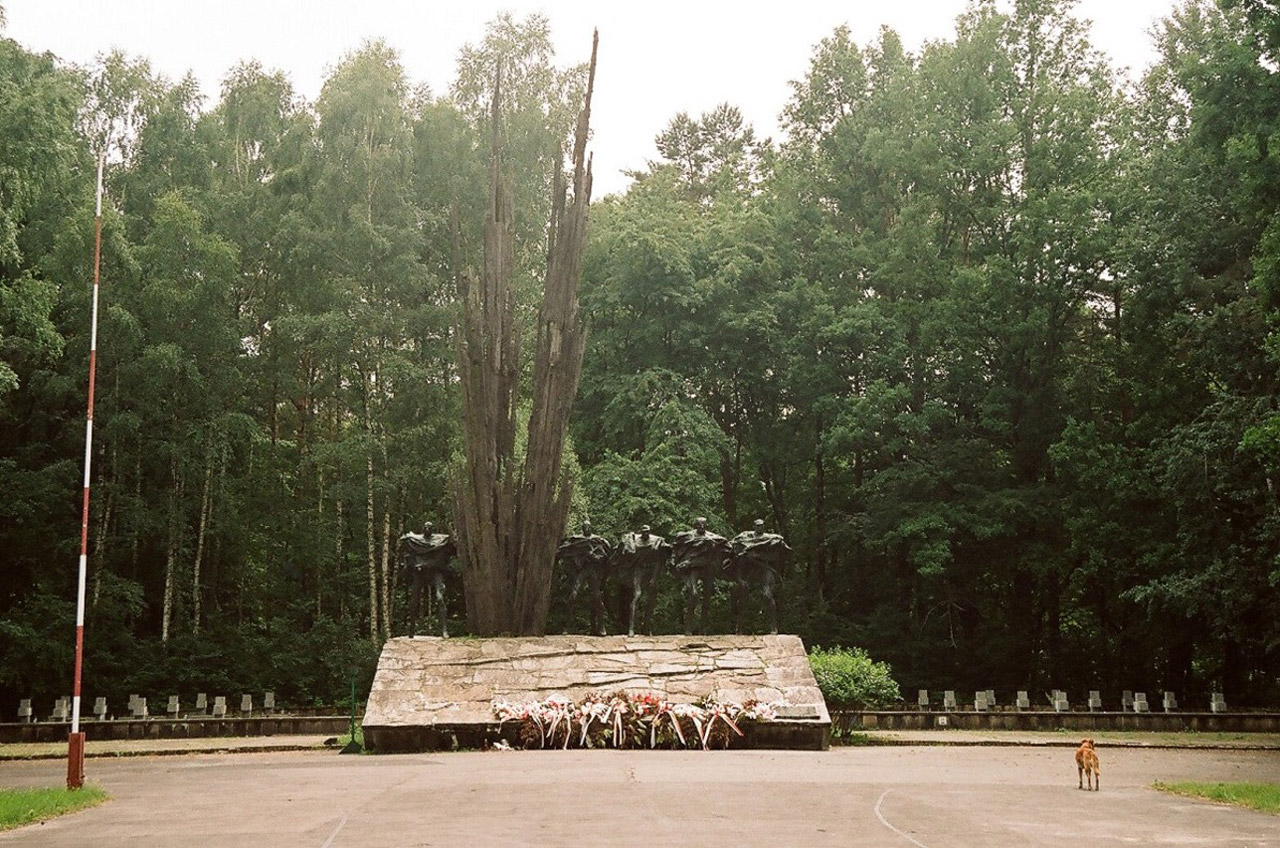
x,y
508,519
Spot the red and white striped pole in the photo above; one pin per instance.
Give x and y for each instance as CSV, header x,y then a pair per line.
x,y
75,741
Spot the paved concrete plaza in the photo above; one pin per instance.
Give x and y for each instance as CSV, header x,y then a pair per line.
x,y
893,796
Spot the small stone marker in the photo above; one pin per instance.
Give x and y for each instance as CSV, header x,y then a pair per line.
x,y
1218,703
24,710
1024,701
172,708
796,712
980,701
100,708
1060,702
246,705
133,703
1126,701
1140,702
991,698
922,699
59,711
1170,701
949,700
202,703
1095,700
140,708
220,706
269,702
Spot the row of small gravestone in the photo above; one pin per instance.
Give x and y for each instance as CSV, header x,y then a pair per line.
x,y
984,700
138,707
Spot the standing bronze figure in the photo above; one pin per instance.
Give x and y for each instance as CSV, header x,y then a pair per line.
x,y
585,558
758,560
639,559
698,556
427,559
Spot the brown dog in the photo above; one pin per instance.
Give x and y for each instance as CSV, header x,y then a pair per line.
x,y
1087,764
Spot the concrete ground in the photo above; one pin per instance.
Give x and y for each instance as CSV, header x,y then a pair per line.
x,y
905,795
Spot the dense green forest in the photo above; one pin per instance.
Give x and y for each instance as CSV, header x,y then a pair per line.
x,y
989,335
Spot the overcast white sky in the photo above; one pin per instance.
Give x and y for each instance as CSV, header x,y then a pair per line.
x,y
657,58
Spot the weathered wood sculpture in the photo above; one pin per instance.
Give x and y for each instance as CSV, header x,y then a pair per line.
x,y
510,520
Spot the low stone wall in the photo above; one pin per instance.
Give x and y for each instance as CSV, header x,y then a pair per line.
x,y
1046,720
161,728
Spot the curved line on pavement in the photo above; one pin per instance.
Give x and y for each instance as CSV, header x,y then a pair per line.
x,y
338,829
885,822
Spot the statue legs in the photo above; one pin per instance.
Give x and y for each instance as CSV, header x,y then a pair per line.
x,y
742,585
643,584
437,582
690,601
592,579
770,602
597,602
575,583
651,602
635,600
415,602
691,585
435,600
708,588
738,602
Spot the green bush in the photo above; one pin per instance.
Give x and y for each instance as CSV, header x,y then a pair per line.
x,y
850,680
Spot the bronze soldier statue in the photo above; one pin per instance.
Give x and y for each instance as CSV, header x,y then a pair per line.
x,y
698,556
758,559
586,557
640,557
427,559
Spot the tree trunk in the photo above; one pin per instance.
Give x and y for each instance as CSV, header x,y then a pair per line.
x,y
99,540
509,526
171,556
205,509
133,527
820,518
339,568
730,474
386,572
370,551
319,523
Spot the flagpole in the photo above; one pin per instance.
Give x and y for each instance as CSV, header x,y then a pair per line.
x,y
75,741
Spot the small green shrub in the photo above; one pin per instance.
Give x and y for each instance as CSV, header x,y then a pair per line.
x,y
851,680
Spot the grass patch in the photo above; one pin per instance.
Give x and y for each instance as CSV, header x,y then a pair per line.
x,y
1172,738
1181,737
346,738
1255,796
851,738
25,806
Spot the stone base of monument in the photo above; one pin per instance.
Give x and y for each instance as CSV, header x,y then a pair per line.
x,y
437,694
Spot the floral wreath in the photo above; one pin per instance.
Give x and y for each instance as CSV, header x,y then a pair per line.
x,y
629,720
